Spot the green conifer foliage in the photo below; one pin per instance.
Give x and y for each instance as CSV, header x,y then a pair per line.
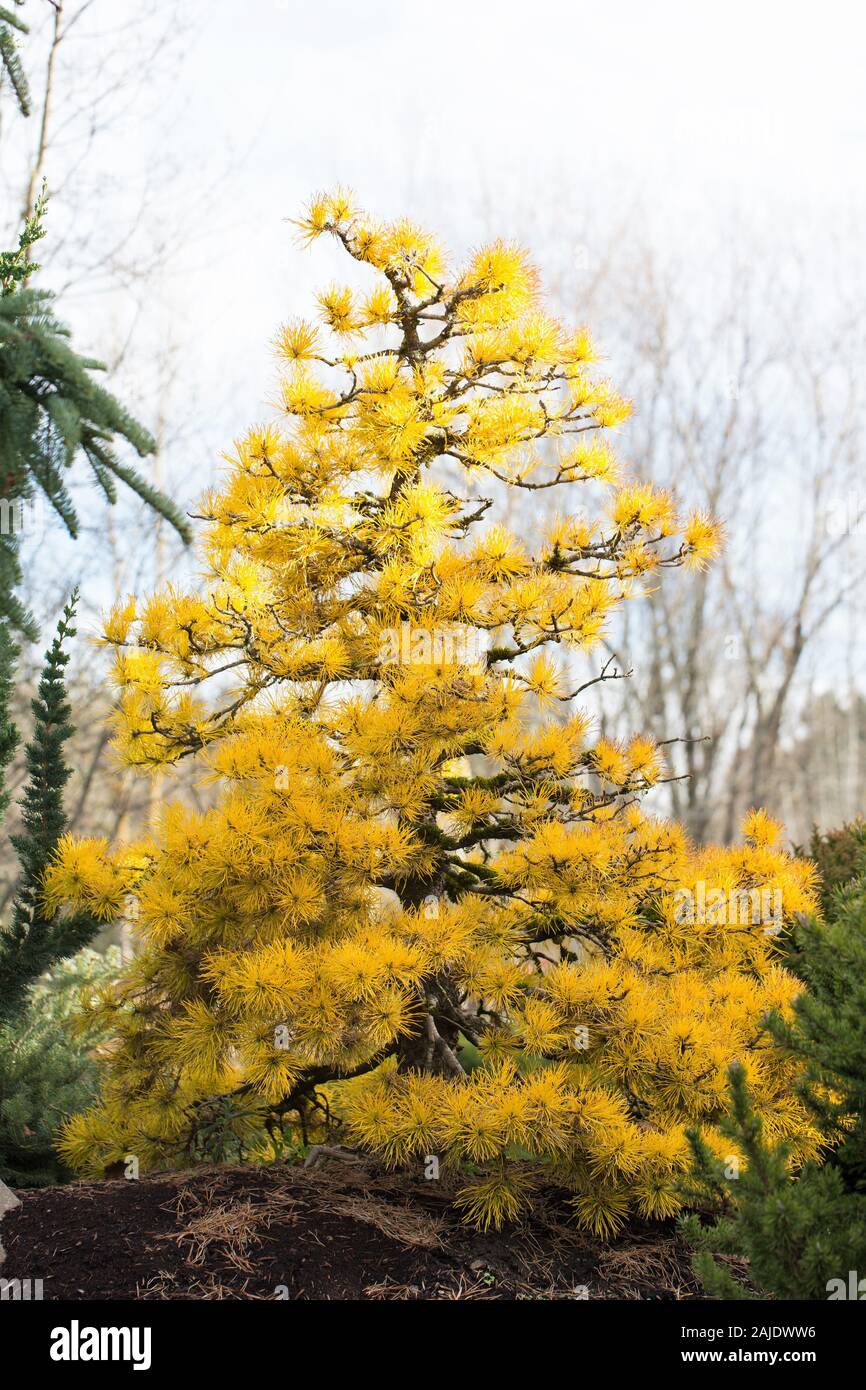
x,y
799,1231
840,856
10,63
30,944
52,410
47,1069
8,731
828,1031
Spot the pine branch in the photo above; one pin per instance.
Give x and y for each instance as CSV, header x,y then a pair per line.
x,y
10,63
52,409
15,266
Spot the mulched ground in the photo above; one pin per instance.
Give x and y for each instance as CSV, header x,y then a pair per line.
x,y
339,1229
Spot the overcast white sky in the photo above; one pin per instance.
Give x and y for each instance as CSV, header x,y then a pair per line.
x,y
697,109
470,114
424,108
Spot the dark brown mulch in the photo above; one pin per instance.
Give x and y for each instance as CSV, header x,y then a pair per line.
x,y
337,1230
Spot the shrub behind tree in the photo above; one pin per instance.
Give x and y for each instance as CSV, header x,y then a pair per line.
x,y
800,1227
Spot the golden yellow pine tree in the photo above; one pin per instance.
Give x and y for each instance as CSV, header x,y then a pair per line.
x,y
425,900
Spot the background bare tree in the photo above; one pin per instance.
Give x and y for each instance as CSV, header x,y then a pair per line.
x,y
744,365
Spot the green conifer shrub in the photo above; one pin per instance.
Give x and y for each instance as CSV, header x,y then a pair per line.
x,y
47,1068
799,1231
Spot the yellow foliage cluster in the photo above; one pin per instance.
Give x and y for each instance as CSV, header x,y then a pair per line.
x,y
425,896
